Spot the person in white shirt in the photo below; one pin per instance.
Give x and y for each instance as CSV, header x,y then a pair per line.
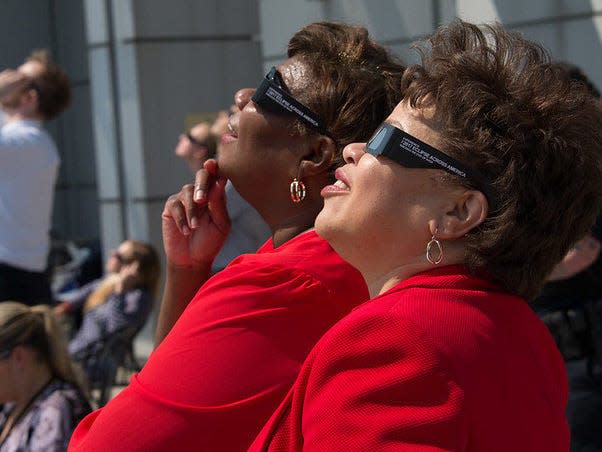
x,y
36,91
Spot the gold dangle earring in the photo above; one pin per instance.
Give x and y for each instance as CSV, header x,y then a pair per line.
x,y
298,191
434,251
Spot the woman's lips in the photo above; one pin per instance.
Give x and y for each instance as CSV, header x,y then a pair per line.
x,y
228,138
340,186
332,190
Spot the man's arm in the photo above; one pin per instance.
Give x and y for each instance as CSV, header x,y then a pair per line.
x,y
11,83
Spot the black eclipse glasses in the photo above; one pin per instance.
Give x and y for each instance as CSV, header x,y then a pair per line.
x,y
273,96
193,140
410,152
122,259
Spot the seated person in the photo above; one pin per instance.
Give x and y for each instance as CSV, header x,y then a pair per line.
x,y
122,299
42,393
78,301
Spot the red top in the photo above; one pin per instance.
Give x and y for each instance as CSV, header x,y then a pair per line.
x,y
441,362
232,356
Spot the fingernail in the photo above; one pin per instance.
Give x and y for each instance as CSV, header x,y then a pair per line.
x,y
185,230
199,194
194,222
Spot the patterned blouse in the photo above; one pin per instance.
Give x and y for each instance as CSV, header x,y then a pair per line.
x,y
49,422
131,308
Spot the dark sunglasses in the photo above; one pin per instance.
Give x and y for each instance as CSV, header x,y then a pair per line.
x,y
194,141
273,96
410,152
122,259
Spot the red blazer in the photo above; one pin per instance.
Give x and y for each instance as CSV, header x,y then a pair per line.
x,y
232,356
441,362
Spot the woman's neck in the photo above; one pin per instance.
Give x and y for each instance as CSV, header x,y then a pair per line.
x,y
283,235
284,229
24,399
31,386
379,280
380,283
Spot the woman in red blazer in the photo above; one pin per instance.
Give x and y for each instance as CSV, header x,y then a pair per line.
x,y
454,212
232,345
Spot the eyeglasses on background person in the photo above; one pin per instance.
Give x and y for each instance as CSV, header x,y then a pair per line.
x,y
193,140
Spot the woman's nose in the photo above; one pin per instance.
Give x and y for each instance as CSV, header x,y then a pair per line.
x,y
353,152
243,96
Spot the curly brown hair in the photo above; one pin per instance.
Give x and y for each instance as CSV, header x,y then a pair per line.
x,y
357,82
502,107
52,84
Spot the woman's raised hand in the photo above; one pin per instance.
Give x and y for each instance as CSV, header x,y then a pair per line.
x,y
129,276
195,220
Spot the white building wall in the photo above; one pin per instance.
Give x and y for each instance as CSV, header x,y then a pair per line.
x,y
154,64
570,29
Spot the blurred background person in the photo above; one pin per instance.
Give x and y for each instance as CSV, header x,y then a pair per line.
x,y
122,299
197,145
249,231
35,92
570,304
42,392
455,212
73,304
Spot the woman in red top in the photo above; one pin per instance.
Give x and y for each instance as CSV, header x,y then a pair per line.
x,y
239,343
454,212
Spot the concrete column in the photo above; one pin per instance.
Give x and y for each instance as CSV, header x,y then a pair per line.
x,y
154,64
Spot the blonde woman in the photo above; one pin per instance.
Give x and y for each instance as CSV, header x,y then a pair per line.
x,y
41,392
79,301
123,298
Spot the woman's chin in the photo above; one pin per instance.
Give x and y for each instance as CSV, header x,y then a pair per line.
x,y
322,224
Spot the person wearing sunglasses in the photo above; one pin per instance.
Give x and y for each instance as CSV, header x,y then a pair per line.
x,y
248,230
123,297
78,301
35,92
196,145
455,211
239,338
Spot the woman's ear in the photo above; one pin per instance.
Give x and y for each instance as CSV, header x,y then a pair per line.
x,y
19,355
467,212
319,156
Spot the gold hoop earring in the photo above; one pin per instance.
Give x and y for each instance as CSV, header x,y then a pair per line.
x,y
438,257
297,191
